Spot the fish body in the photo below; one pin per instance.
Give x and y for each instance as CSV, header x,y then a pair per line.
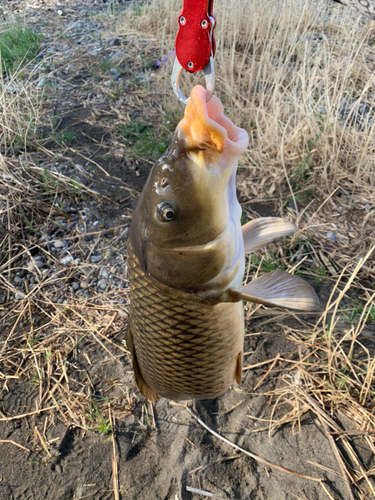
x,y
186,261
186,347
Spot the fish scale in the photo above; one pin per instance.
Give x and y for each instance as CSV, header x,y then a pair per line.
x,y
181,352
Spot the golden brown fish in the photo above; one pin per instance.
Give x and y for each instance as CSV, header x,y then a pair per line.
x,y
186,261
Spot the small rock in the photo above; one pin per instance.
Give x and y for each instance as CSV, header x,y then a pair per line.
x,y
331,236
71,225
86,270
102,284
12,89
66,260
114,42
104,272
294,206
115,73
75,286
18,296
42,82
367,207
96,258
99,96
32,286
58,244
84,284
118,57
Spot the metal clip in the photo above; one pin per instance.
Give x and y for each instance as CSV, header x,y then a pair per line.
x,y
209,75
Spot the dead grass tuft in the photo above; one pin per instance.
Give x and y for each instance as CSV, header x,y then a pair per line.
x,y
296,76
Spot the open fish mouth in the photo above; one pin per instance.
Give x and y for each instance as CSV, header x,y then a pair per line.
x,y
208,133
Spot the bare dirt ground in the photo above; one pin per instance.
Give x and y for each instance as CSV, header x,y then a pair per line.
x,y
72,422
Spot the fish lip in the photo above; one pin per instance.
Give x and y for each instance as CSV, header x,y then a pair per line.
x,y
204,124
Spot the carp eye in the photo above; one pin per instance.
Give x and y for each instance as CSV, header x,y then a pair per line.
x,y
165,211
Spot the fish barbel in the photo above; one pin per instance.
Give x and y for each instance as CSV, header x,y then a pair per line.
x,y
186,262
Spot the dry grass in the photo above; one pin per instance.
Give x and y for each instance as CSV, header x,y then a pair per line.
x,y
331,376
285,72
40,333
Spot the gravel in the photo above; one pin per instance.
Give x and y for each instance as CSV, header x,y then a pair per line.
x,y
102,284
331,236
96,258
66,260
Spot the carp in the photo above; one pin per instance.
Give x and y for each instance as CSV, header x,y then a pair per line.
x,y
186,262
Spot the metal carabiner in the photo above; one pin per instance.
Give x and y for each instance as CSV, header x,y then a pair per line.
x,y
209,75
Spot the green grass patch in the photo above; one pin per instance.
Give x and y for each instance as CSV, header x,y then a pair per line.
x,y
142,138
63,137
354,315
270,262
98,423
18,46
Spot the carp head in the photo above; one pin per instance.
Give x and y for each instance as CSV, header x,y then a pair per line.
x,y
186,229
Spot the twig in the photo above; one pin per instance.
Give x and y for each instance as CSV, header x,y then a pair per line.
x,y
252,455
36,412
338,457
15,444
42,441
114,461
267,373
251,367
202,492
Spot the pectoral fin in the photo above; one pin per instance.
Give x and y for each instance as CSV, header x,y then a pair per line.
x,y
258,232
281,290
146,391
